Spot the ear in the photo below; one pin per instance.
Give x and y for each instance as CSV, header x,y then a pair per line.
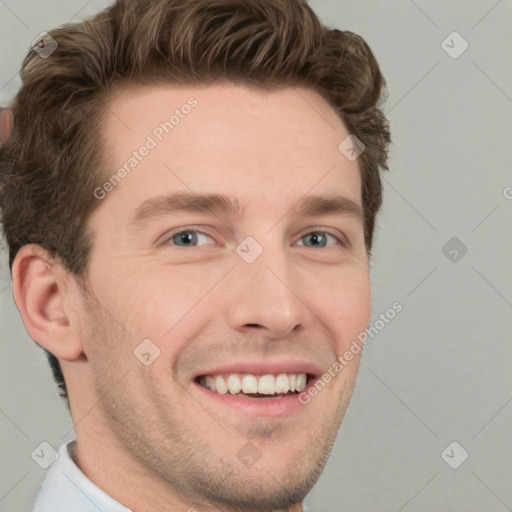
x,y
42,294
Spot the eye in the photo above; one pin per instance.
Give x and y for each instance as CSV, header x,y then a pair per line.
x,y
319,239
187,238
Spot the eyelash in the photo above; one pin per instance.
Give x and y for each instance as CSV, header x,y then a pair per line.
x,y
314,231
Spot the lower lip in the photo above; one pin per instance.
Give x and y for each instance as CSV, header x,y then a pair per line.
x,y
264,407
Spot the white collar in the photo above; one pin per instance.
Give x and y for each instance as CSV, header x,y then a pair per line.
x,y
67,489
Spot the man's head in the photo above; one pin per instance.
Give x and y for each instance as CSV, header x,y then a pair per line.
x,y
178,209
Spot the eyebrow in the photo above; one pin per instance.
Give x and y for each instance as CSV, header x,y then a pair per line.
x,y
308,206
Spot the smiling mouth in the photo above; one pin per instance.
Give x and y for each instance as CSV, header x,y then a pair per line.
x,y
256,386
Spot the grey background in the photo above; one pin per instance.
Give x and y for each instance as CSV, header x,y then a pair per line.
x,y
440,371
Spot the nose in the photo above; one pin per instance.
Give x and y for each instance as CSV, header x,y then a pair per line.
x,y
266,295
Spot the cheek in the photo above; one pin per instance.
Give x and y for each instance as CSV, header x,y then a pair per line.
x,y
165,309
139,300
350,308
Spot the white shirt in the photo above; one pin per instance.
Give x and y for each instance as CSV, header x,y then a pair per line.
x,y
67,489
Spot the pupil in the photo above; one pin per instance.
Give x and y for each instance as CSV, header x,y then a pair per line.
x,y
186,237
316,236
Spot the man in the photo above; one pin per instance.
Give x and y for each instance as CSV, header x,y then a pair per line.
x,y
189,202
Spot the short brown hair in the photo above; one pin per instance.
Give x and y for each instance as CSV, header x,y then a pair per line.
x,y
50,169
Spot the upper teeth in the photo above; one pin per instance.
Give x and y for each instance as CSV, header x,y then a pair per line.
x,y
248,383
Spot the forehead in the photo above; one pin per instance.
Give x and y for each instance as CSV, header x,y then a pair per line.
x,y
226,138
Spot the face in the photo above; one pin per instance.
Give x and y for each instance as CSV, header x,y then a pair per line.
x,y
188,292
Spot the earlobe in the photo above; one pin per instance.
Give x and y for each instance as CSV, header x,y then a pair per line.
x,y
42,297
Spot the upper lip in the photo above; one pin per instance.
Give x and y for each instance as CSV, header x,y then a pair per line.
x,y
264,367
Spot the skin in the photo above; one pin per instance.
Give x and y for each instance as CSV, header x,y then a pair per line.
x,y
177,449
